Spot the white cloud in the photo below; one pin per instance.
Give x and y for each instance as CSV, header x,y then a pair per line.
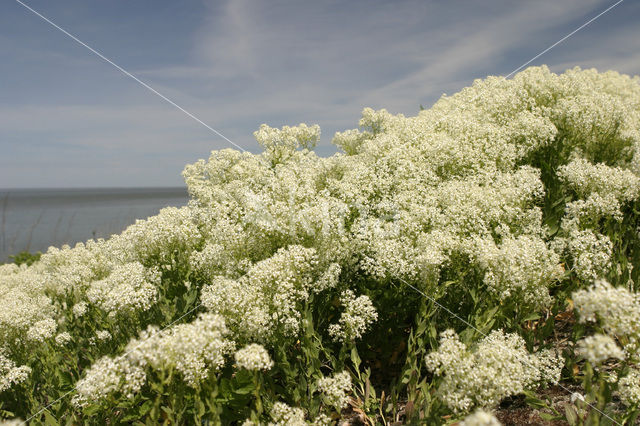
x,y
285,62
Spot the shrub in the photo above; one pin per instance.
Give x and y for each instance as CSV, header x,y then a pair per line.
x,y
481,215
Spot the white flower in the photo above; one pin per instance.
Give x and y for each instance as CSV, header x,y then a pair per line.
x,y
336,389
42,330
591,253
270,295
79,309
108,375
598,348
253,357
576,396
10,374
480,418
192,349
130,287
103,335
283,415
519,269
499,366
586,178
358,314
279,144
629,388
12,422
616,308
63,338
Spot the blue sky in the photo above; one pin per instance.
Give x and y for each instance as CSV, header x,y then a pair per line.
x,y
68,119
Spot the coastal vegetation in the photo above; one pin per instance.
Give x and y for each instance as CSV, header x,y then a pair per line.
x,y
480,258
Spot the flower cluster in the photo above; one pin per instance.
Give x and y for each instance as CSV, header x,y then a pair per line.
x,y
253,357
480,418
629,388
157,238
12,422
192,349
268,297
103,335
63,338
499,366
42,330
591,253
520,269
107,376
284,415
129,288
335,389
10,374
359,313
586,178
279,144
615,308
79,309
598,348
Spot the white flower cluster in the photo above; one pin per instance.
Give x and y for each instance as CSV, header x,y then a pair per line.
x,y
335,389
615,308
480,418
10,374
598,348
23,310
279,144
499,366
70,270
358,314
158,238
103,335
129,288
63,338
520,268
42,330
253,357
12,422
629,388
586,178
192,349
107,376
79,309
591,253
284,415
268,297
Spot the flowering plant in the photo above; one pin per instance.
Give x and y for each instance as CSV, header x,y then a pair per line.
x,y
292,286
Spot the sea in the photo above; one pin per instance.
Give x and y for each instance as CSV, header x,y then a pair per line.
x,y
35,219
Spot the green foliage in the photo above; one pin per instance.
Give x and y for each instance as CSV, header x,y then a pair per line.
x,y
25,257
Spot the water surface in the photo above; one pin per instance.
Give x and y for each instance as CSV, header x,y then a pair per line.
x,y
34,219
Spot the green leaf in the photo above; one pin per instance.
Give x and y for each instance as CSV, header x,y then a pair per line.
x,y
91,410
145,408
533,401
570,414
549,416
355,358
49,420
532,317
244,390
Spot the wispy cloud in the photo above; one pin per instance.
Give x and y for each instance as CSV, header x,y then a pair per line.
x,y
237,64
